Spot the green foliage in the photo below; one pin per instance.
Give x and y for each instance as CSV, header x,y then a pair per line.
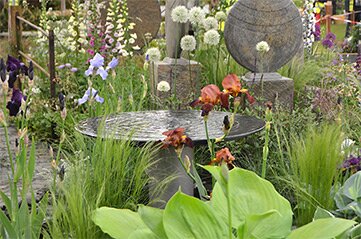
x,y
99,173
348,197
22,221
186,217
314,161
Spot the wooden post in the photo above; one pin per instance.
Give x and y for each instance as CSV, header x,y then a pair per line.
x,y
52,63
328,7
15,30
62,5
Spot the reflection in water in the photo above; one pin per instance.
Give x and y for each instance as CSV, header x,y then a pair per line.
x,y
149,125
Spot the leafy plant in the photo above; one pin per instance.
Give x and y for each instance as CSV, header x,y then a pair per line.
x,y
314,162
348,197
243,205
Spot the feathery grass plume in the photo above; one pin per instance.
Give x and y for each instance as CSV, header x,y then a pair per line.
x,y
315,161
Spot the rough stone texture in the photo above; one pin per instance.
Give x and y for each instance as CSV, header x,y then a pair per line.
x,y
149,126
147,18
277,89
278,22
145,14
174,31
185,80
43,171
168,166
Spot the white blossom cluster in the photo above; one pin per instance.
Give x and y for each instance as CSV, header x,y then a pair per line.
x,y
308,20
118,36
206,26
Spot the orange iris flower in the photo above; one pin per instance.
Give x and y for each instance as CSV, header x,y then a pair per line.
x,y
176,138
232,85
223,155
211,95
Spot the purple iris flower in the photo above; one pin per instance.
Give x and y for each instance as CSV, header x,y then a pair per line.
x,y
113,63
68,65
15,103
2,70
102,72
13,75
331,36
13,64
97,61
61,67
74,69
89,94
31,71
89,71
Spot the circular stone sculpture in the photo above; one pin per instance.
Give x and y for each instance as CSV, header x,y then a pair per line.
x,y
147,18
278,22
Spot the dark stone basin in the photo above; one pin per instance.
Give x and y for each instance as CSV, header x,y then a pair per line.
x,y
148,126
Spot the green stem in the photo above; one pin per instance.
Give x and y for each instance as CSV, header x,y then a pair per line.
x,y
217,67
265,153
9,149
209,141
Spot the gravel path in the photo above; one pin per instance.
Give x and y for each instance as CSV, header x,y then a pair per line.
x,y
43,172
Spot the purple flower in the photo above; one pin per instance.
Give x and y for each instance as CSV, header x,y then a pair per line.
x,y
328,43
89,71
2,70
13,64
331,36
113,63
353,163
74,69
89,94
97,61
102,72
61,67
31,71
68,65
15,103
317,32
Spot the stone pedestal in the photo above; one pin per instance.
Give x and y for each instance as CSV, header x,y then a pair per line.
x,y
167,167
183,77
271,87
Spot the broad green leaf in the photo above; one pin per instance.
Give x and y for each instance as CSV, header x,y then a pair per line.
x,y
352,187
144,234
7,225
326,228
252,195
256,226
118,223
356,232
153,218
322,213
188,217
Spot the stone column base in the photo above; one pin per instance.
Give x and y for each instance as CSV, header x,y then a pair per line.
x,y
184,80
271,87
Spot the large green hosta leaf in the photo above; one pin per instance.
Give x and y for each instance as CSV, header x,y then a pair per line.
x,y
326,228
188,217
121,223
252,196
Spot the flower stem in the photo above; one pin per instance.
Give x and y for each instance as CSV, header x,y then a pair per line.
x,y
209,141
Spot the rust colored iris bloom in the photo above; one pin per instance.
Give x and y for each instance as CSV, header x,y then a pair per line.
x,y
232,85
176,138
211,95
223,155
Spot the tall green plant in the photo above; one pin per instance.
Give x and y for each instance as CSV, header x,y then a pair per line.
x,y
315,159
243,206
101,173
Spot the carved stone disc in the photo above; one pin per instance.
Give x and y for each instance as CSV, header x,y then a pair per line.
x,y
278,22
147,18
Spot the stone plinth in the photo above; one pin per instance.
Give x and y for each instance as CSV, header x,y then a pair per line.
x,y
183,77
276,88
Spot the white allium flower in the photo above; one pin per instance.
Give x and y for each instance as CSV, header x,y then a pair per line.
x,y
212,37
180,14
221,16
196,16
262,47
188,43
152,54
163,86
210,23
